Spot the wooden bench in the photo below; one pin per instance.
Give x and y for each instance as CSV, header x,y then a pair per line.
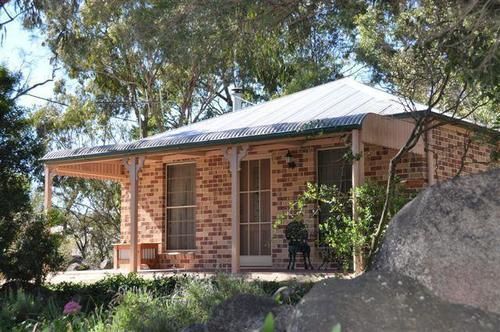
x,y
147,257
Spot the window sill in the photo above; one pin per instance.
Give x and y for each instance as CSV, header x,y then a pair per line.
x,y
180,252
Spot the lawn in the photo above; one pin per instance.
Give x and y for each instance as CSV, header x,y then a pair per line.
x,y
128,302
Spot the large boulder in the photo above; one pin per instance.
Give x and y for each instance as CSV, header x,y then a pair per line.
x,y
383,302
448,239
243,312
78,267
106,264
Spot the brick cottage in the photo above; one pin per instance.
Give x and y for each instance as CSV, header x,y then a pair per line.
x,y
204,196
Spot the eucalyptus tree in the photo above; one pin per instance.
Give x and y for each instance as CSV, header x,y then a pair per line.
x,y
438,57
174,62
88,210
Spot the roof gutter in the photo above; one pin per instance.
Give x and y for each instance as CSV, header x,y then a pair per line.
x,y
239,140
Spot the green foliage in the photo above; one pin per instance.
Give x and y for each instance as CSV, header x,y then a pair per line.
x,y
35,251
131,303
19,150
268,325
339,230
191,302
439,53
337,328
90,216
18,306
102,292
288,293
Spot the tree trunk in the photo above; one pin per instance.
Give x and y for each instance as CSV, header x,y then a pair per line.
x,y
359,260
410,144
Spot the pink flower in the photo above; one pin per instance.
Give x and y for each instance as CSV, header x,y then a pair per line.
x,y
71,307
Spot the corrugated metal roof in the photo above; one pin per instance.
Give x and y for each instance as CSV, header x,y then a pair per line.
x,y
337,105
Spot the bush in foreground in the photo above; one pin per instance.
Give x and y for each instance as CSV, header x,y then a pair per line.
x,y
130,303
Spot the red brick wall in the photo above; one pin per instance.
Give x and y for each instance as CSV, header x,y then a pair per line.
x,y
213,194
412,170
213,213
448,147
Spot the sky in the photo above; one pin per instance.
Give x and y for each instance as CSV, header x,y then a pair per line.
x,y
23,50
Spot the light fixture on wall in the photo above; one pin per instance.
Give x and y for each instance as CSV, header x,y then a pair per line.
x,y
289,160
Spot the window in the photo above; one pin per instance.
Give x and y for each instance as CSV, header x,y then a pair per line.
x,y
334,169
255,208
181,206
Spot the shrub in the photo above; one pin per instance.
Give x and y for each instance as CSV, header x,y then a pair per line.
x,y
16,306
129,302
35,250
192,301
102,292
54,320
339,231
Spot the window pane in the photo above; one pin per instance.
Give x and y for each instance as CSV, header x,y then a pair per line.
x,y
254,207
244,176
244,208
181,185
180,215
254,174
189,242
173,242
181,225
333,169
244,240
180,192
265,239
265,206
265,174
254,239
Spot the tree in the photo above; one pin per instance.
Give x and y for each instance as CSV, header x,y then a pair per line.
x,y
172,62
19,150
35,250
91,216
438,57
28,10
89,209
22,233
340,234
165,64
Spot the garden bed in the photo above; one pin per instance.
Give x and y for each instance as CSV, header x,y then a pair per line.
x,y
128,302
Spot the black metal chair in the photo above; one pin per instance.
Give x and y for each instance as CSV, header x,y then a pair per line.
x,y
297,236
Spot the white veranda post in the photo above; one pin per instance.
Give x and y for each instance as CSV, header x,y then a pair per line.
x,y
133,166
357,147
47,202
234,155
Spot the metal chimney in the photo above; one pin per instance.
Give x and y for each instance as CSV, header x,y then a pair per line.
x,y
237,99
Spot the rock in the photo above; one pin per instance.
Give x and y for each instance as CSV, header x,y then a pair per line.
x,y
195,328
242,312
73,267
283,317
448,238
384,302
106,264
77,267
76,259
